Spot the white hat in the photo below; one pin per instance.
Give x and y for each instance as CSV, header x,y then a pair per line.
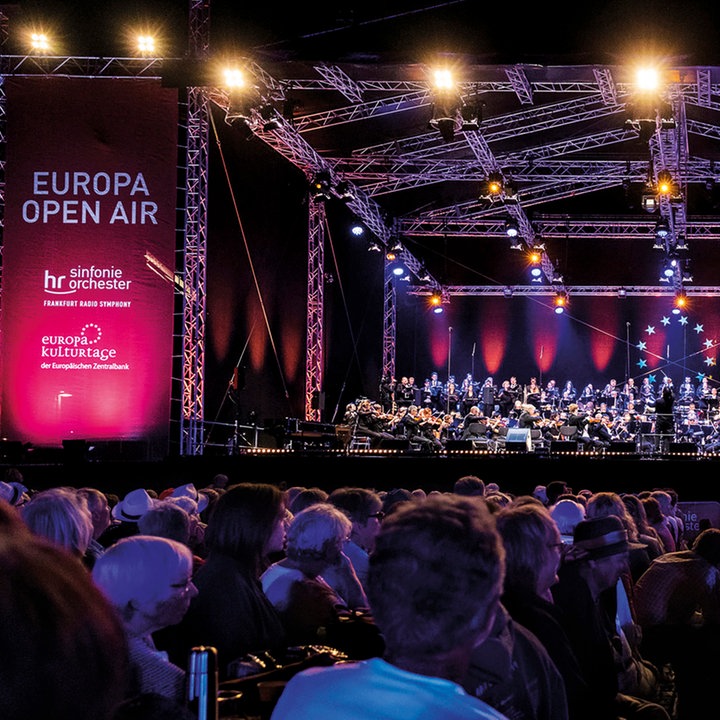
x,y
190,491
133,506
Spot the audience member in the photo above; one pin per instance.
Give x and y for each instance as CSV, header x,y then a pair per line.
x,y
469,485
308,605
532,556
230,612
659,522
63,648
647,535
59,515
305,498
126,514
567,514
364,508
434,586
148,580
678,608
586,593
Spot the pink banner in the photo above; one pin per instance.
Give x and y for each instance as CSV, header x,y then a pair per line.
x,y
90,202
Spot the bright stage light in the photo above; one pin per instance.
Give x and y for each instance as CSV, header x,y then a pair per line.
x,y
145,44
647,79
234,78
39,42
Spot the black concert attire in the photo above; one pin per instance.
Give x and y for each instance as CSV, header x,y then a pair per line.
x,y
474,426
436,392
451,398
528,420
568,395
599,433
552,395
664,418
387,393
505,400
580,421
487,395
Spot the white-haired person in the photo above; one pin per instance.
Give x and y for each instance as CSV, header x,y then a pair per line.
x,y
309,607
434,586
148,580
61,516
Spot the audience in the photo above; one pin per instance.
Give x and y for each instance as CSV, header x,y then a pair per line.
x,y
434,585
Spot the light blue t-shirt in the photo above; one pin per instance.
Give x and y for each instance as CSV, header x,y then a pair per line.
x,y
376,690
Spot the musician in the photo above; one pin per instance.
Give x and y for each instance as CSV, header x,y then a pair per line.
x,y
552,394
551,427
529,417
611,393
568,395
387,392
426,399
533,393
691,428
578,419
469,399
600,430
451,397
436,391
515,388
647,395
630,392
467,383
474,424
487,396
587,395
712,402
702,393
371,424
505,399
664,419
686,391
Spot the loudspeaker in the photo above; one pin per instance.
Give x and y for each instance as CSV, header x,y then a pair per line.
x,y
394,444
518,440
622,447
563,446
455,445
682,447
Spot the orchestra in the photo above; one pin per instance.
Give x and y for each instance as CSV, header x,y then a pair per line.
x,y
438,411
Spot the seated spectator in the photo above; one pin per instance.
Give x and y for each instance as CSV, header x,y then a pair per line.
x,y
305,498
621,681
168,520
532,557
364,508
63,647
59,515
678,607
148,580
567,514
647,535
126,514
230,612
512,672
469,485
435,580
658,521
306,602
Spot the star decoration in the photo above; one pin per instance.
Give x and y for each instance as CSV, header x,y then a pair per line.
x,y
699,377
650,330
683,320
709,361
651,378
698,328
642,345
665,321
708,343
642,363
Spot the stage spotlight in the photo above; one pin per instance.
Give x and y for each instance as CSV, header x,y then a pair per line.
x,y
145,45
390,256
398,271
679,303
536,274
234,78
495,184
669,267
357,230
665,183
649,201
662,228
560,301
344,191
39,43
374,247
320,186
647,79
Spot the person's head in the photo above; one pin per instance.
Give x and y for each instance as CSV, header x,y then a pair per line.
x,y
601,546
63,646
99,508
435,578
61,516
148,580
364,508
664,500
707,545
532,547
554,489
316,536
567,514
469,485
307,497
602,504
167,519
248,524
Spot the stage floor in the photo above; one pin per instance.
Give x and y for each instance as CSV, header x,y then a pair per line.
x,y
693,476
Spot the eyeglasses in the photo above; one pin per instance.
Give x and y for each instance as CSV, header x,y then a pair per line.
x,y
379,515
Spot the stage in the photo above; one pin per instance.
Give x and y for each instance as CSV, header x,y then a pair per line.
x,y
692,475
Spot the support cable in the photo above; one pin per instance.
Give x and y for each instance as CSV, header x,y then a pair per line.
x,y
251,264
